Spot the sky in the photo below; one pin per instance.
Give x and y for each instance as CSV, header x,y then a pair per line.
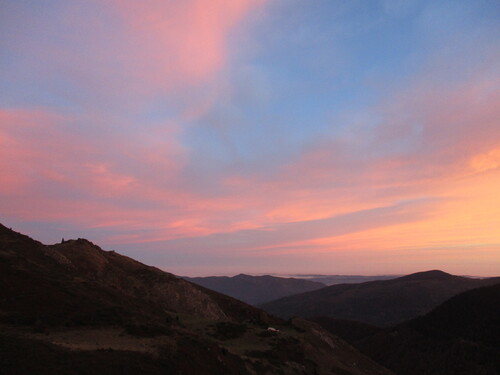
x,y
213,137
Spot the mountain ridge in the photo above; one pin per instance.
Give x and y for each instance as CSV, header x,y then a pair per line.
x,y
381,302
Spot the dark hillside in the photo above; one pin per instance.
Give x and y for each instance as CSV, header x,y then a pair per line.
x,y
76,282
349,330
381,303
461,337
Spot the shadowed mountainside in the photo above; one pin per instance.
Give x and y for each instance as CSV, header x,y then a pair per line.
x,y
76,280
256,289
381,303
73,308
349,330
461,336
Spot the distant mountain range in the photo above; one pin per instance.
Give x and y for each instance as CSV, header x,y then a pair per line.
x,y
343,279
256,289
72,308
460,337
381,303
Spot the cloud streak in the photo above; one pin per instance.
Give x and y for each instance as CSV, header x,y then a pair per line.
x,y
300,231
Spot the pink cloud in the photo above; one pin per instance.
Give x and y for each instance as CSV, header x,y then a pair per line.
x,y
49,173
28,139
187,38
440,128
450,136
124,52
140,183
100,161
